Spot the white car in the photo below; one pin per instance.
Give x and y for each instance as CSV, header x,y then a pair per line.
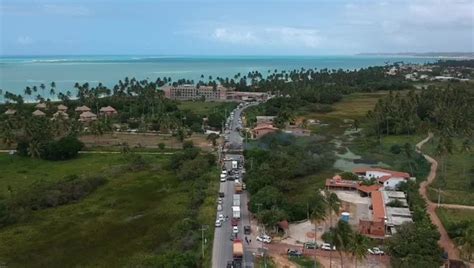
x,y
264,238
219,207
327,246
218,223
235,230
223,178
376,251
220,200
221,217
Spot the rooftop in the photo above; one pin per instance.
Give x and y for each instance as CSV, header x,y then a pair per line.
x,y
378,206
392,173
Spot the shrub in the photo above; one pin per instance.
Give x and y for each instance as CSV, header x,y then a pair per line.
x,y
349,176
188,144
161,146
395,149
63,149
395,203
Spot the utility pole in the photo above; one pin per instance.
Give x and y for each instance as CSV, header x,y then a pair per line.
x,y
439,196
203,228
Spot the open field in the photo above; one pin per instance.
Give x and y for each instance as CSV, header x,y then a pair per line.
x,y
450,216
141,140
456,186
204,108
126,222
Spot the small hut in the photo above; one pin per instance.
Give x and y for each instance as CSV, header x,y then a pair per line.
x,y
108,111
87,117
38,113
10,112
62,108
60,114
82,109
41,105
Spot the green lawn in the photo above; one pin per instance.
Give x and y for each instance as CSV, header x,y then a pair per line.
x,y
123,223
304,262
203,108
449,216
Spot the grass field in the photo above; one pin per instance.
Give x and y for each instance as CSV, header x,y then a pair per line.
x,y
204,108
123,223
449,216
456,186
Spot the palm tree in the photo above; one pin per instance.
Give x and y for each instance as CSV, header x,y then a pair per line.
x,y
358,246
333,205
318,214
213,138
52,91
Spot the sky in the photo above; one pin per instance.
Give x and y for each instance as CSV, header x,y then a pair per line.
x,y
225,27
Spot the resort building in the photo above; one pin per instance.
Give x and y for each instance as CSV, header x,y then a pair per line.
x,y
38,113
192,92
108,111
82,109
87,117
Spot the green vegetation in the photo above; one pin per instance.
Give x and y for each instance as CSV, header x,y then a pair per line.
x,y
274,170
459,224
415,244
147,214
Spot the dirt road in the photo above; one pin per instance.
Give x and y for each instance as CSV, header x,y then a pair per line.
x,y
445,242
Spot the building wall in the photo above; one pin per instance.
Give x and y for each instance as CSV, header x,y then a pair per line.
x,y
376,228
375,174
392,182
262,132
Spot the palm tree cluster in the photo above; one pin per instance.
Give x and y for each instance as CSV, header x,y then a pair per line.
x,y
444,110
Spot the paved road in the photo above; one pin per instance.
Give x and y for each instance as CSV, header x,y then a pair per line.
x,y
222,246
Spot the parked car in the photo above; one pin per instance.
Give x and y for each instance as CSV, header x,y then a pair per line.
x,y
294,253
220,200
218,223
264,238
376,251
247,230
219,207
235,230
244,186
221,217
310,245
327,246
221,194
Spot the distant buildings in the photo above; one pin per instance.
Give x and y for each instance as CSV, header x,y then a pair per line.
x,y
87,117
38,113
108,111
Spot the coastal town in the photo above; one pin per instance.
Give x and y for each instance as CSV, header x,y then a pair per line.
x,y
237,134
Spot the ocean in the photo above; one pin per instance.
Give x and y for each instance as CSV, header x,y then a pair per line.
x,y
18,72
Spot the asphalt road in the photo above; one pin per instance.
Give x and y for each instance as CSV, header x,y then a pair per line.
x,y
222,246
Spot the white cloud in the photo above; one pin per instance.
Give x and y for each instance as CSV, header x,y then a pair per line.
x,y
235,36
269,36
66,10
24,40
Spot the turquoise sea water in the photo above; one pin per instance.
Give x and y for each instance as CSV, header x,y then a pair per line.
x,y
18,72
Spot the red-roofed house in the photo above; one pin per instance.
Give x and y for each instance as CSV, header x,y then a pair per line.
x,y
388,178
262,130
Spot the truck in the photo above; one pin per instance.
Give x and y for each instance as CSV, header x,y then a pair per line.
x,y
238,188
236,212
235,164
238,250
236,200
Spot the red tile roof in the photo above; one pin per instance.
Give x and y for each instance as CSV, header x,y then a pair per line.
x,y
378,206
369,188
335,182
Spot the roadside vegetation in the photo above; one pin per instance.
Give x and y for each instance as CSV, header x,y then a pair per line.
x,y
459,224
108,210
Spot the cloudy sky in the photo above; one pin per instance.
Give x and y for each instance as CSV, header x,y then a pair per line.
x,y
226,27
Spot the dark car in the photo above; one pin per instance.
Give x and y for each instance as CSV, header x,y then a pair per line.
x,y
247,230
234,222
310,245
294,253
221,194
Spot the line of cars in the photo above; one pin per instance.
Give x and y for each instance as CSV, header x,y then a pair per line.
x,y
329,247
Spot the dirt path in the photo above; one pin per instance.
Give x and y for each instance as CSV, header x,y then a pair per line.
x,y
445,242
